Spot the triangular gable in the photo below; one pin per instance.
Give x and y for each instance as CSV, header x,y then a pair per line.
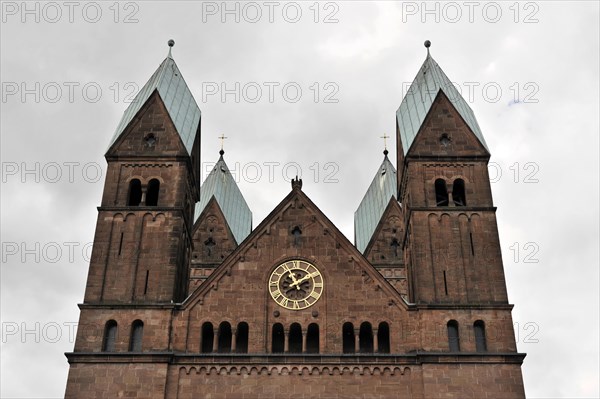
x,y
371,208
221,185
212,208
148,117
295,196
416,104
179,102
393,208
444,118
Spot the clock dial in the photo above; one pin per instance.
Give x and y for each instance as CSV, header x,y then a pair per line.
x,y
296,284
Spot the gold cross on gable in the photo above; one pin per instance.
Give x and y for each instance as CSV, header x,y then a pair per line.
x,y
385,137
222,137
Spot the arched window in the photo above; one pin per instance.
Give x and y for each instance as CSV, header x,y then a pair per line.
x,y
137,332
479,329
224,337
383,337
110,336
441,193
241,338
208,336
458,193
278,339
348,338
365,338
152,192
134,196
295,338
312,338
453,338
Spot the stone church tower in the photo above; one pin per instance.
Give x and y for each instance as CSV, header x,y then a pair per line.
x,y
185,299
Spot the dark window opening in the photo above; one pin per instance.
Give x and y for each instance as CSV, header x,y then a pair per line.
x,y
209,244
120,243
152,192
134,197
348,338
137,332
480,344
278,339
472,246
365,338
110,336
453,338
296,232
312,339
383,337
395,244
458,193
295,338
441,193
146,284
241,338
208,335
224,337
445,283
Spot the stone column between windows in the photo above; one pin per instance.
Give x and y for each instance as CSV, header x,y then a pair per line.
x,y
375,342
303,341
356,340
233,339
216,341
286,340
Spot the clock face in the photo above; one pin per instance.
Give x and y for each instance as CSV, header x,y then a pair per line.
x,y
296,284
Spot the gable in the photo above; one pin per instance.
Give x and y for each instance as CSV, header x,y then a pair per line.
x,y
179,103
150,133
390,228
443,120
238,289
212,242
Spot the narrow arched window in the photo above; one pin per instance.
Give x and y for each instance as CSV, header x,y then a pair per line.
x,y
241,338
312,338
277,339
110,336
383,337
348,338
224,337
458,193
479,329
134,196
137,332
208,336
453,338
295,338
441,193
365,338
152,192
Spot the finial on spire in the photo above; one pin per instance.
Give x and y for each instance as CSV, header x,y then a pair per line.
x,y
171,43
385,137
427,45
222,137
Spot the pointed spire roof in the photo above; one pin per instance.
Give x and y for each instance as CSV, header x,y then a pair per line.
x,y
221,185
176,96
419,99
374,203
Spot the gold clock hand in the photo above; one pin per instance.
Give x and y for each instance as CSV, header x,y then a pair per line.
x,y
295,282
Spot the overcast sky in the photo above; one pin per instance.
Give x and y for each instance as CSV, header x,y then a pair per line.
x,y
338,72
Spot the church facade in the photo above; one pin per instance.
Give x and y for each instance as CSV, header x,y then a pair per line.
x,y
185,299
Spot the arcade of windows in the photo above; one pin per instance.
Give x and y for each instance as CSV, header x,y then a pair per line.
x,y
294,339
444,197
147,195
